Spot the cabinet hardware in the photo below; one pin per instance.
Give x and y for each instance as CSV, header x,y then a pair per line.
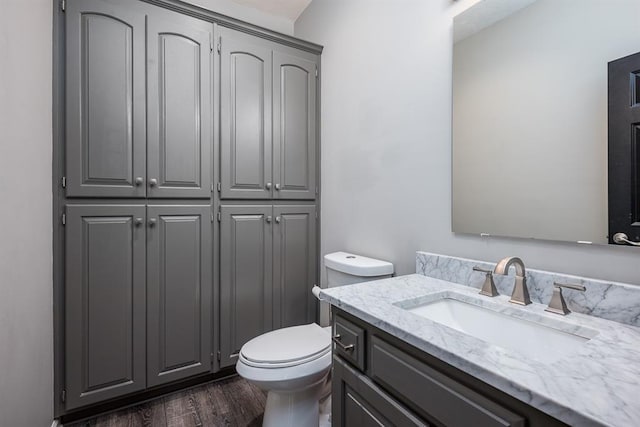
x,y
212,187
219,217
219,186
268,219
278,220
219,46
64,219
63,5
277,186
152,222
316,72
336,339
138,222
63,396
64,182
211,216
316,189
153,182
267,186
139,180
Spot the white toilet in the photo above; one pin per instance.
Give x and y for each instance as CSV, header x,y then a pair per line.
x,y
292,364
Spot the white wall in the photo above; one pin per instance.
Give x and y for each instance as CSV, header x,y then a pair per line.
x,y
247,14
386,141
26,294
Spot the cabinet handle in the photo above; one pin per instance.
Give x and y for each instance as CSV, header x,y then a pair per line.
x,y
153,182
277,187
152,222
267,186
139,180
336,339
268,219
278,220
138,222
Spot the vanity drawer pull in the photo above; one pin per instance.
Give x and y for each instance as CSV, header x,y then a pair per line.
x,y
336,339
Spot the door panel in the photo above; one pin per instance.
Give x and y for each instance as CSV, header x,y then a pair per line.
x,y
105,302
245,277
624,147
245,117
294,270
179,106
179,289
294,131
105,99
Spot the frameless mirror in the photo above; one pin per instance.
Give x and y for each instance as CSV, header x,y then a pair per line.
x,y
530,115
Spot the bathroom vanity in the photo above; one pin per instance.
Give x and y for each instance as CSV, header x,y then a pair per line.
x,y
397,361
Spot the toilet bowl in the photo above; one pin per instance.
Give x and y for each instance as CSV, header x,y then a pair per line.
x,y
292,364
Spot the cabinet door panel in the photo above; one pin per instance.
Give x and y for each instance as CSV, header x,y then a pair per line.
x,y
104,302
105,99
294,131
245,277
179,105
179,290
294,270
245,117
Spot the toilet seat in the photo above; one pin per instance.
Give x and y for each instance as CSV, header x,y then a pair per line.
x,y
287,347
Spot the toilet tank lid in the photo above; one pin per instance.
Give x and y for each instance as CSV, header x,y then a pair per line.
x,y
357,265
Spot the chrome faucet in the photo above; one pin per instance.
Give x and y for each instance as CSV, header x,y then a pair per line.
x,y
520,294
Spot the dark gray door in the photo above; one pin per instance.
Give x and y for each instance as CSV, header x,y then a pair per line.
x,y
624,148
294,127
245,117
245,277
104,302
294,264
105,99
179,109
179,290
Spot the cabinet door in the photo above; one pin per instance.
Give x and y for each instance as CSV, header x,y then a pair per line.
x,y
294,127
245,277
179,290
179,107
245,117
105,99
104,302
294,264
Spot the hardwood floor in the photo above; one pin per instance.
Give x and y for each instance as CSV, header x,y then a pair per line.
x,y
229,402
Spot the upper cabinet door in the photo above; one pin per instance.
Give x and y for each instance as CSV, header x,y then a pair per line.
x,y
105,99
294,264
179,290
294,127
179,110
245,117
104,302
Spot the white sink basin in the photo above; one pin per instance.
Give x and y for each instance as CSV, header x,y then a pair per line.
x,y
534,340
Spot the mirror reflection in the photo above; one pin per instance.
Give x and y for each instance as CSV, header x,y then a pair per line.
x,y
530,84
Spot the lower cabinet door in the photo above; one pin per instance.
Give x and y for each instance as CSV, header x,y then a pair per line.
x,y
294,264
179,292
357,401
104,302
245,277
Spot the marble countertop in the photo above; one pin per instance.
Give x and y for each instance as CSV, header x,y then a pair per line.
x,y
598,384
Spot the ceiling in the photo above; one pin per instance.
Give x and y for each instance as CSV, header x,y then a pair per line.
x,y
289,9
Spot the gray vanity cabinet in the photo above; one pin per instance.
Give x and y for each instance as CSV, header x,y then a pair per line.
x,y
267,270
179,292
294,126
294,264
268,120
179,105
246,290
104,302
139,101
105,99
245,116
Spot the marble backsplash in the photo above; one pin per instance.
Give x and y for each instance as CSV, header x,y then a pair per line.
x,y
615,301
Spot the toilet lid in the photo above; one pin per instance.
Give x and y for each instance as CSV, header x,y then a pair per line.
x,y
287,346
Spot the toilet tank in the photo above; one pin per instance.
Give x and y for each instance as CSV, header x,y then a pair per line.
x,y
345,269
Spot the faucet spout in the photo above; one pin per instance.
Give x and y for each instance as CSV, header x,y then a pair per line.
x,y
520,294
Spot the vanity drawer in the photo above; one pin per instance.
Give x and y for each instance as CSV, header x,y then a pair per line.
x,y
357,401
441,398
349,341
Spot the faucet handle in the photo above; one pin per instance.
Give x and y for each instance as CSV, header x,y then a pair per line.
x,y
557,304
489,286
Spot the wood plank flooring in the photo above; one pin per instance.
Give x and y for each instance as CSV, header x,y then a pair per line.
x,y
229,402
